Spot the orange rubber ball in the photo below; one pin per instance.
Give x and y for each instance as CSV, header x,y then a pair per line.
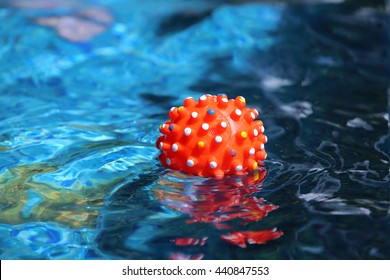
x,y
212,137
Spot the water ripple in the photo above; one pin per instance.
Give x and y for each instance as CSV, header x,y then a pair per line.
x,y
79,174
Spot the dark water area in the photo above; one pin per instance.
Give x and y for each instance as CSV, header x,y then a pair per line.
x,y
84,86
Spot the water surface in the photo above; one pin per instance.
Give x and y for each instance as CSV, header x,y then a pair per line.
x,y
85,85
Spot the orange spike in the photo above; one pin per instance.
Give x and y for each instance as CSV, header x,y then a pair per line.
x,y
236,114
261,155
173,114
203,101
223,101
240,102
183,112
189,101
249,116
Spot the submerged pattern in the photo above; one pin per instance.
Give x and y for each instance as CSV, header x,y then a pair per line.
x,y
80,111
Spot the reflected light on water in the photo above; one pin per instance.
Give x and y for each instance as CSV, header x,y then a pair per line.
x,y
230,204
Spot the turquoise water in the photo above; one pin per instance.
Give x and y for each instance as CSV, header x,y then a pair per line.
x,y
84,86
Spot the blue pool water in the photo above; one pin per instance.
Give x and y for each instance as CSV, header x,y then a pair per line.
x,y
84,86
